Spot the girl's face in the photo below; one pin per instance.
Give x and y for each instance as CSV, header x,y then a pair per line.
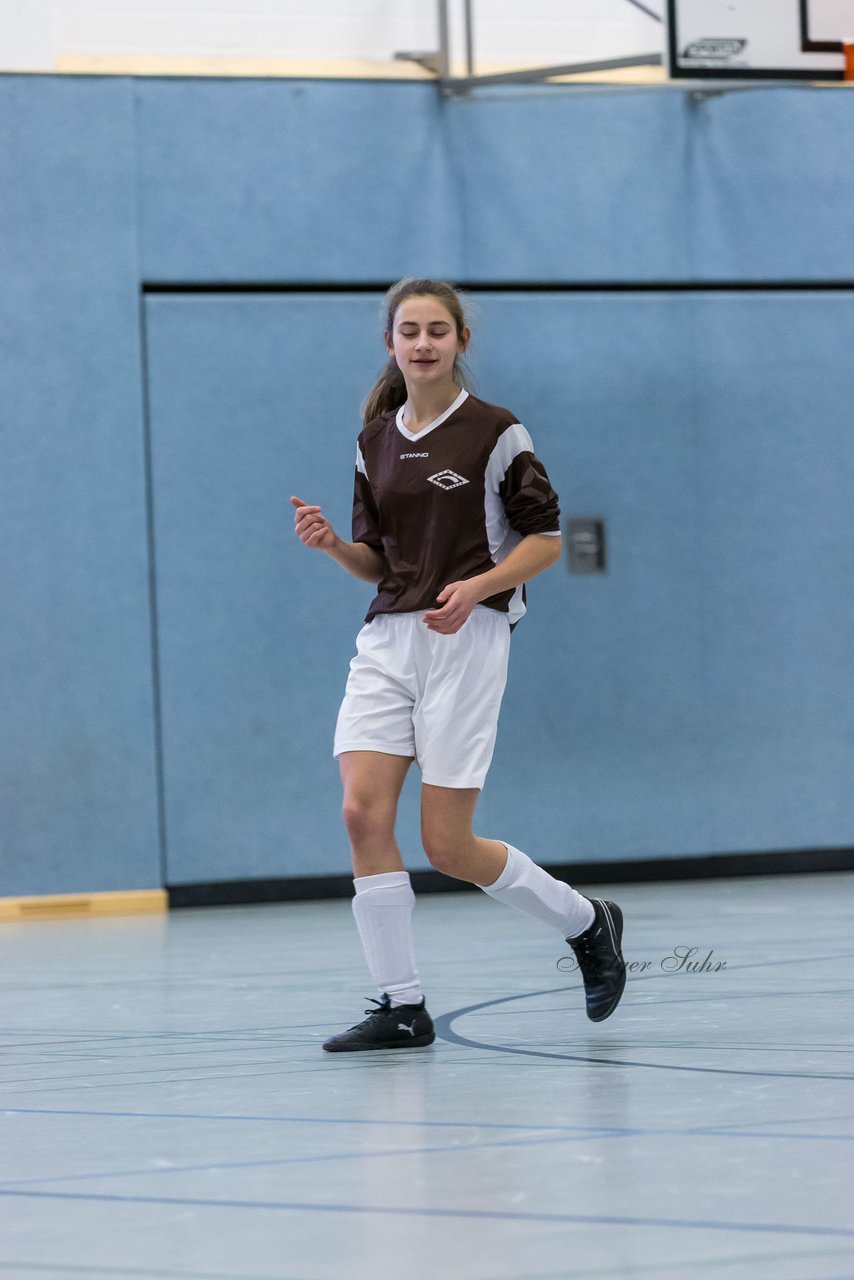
x,y
424,341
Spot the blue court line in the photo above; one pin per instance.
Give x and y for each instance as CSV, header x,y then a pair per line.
x,y
164,1075
220,1165
155,1069
90,1270
487,1215
96,1037
595,1273
156,1053
446,1033
238,1035
217,1166
269,1119
723,998
730,996
849,1275
570,1134
736,1125
451,1037
565,1130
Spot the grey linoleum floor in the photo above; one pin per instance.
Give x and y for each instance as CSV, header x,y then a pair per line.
x,y
166,1110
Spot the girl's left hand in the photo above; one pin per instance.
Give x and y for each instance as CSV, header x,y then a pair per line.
x,y
458,600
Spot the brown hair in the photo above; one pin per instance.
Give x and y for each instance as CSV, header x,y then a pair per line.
x,y
389,391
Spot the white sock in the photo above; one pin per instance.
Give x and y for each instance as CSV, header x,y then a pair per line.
x,y
524,885
383,910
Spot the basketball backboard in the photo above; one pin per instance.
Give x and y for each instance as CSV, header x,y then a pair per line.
x,y
759,39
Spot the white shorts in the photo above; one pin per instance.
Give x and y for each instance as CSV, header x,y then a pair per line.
x,y
413,692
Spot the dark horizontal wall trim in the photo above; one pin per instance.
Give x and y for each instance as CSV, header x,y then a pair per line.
x,y
229,893
784,76
503,286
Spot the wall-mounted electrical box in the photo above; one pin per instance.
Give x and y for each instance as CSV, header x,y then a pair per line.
x,y
585,544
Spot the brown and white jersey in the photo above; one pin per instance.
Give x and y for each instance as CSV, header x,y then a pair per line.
x,y
449,502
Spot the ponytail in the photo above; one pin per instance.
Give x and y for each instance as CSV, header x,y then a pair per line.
x,y
389,391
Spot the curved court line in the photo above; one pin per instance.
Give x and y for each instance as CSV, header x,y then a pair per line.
x,y
444,1031
416,1211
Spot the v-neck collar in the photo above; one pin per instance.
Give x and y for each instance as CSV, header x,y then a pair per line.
x,y
431,426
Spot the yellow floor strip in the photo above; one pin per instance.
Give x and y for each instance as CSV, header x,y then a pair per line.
x,y
313,68
60,906
244,68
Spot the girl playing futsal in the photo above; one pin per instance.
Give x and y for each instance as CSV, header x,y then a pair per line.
x,y
452,514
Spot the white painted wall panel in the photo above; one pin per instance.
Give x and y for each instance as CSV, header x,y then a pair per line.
x,y
188,28
37,33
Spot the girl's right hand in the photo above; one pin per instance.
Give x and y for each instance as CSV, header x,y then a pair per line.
x,y
312,527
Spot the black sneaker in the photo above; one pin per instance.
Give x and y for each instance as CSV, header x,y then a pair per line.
x,y
603,969
407,1026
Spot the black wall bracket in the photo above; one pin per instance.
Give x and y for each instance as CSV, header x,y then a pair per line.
x,y
585,544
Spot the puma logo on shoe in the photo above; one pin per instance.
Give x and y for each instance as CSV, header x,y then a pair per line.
x,y
378,1031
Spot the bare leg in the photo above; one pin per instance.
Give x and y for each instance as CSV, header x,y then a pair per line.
x,y
384,899
448,839
372,785
510,876
504,872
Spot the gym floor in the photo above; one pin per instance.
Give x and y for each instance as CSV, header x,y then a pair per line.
x,y
167,1111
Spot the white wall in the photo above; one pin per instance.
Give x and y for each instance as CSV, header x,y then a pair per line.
x,y
38,34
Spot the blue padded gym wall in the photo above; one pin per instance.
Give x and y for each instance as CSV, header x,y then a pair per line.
x,y
77,763
697,699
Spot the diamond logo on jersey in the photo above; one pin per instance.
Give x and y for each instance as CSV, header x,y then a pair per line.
x,y
447,479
